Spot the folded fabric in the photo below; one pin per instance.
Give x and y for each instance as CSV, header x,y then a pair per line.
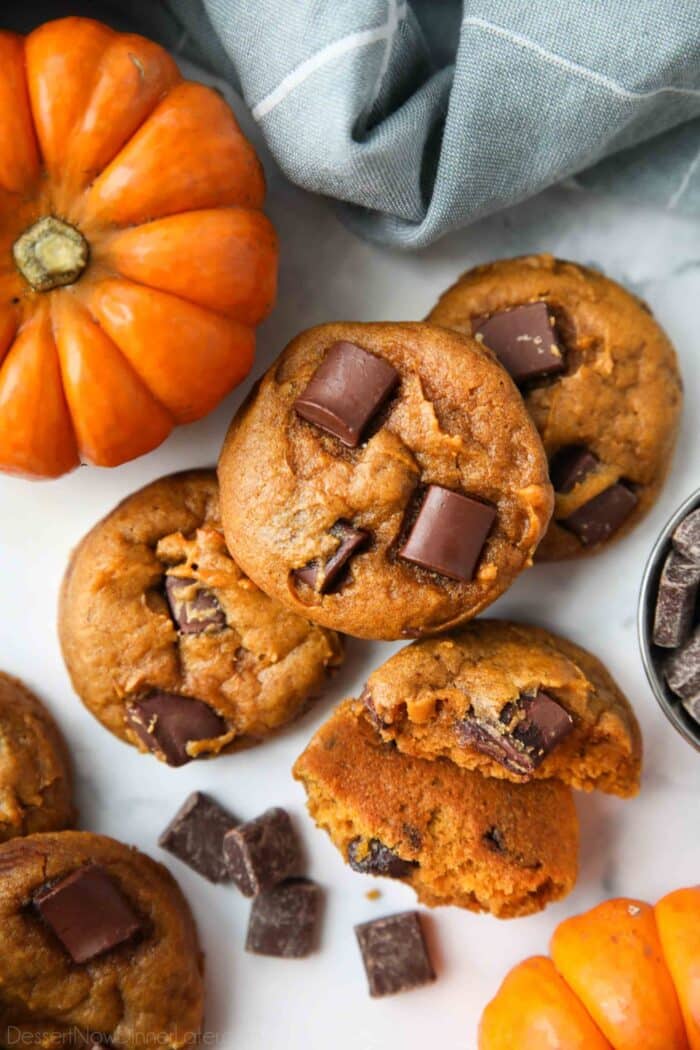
x,y
424,115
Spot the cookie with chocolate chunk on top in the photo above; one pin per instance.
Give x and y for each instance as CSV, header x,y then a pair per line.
x,y
599,377
512,701
384,480
453,835
167,641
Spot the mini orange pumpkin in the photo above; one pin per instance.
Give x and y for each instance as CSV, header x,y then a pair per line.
x,y
623,976
134,258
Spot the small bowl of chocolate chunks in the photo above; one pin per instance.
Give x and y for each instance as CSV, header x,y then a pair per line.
x,y
669,620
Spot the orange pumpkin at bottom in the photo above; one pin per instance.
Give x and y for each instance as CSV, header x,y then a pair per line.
x,y
622,976
135,260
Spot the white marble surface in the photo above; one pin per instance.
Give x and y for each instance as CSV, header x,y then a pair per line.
x,y
643,847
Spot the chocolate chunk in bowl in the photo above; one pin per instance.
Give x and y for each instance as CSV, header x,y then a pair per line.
x,y
449,533
672,672
523,339
195,836
284,920
88,913
346,391
394,954
675,602
262,852
167,724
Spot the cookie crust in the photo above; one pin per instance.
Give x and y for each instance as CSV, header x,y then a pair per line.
x,y
35,777
455,420
422,696
619,396
257,671
148,991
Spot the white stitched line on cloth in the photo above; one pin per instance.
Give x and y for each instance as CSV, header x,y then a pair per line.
x,y
685,182
327,54
574,67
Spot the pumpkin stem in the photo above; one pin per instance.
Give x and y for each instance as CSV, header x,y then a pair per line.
x,y
50,253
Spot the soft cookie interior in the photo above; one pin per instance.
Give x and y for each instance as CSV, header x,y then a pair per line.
x,y
455,836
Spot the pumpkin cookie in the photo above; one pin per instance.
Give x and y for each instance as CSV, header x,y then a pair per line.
x,y
35,779
512,701
384,479
455,836
98,941
599,377
166,640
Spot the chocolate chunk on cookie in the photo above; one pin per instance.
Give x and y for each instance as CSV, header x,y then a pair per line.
x,y
448,482
512,701
439,820
167,641
613,398
524,340
570,466
88,913
374,858
262,852
675,600
449,533
35,778
284,920
168,725
347,389
599,518
324,577
682,668
98,944
686,537
193,608
394,954
196,833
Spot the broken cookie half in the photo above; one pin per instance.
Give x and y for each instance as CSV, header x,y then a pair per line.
x,y
513,702
455,836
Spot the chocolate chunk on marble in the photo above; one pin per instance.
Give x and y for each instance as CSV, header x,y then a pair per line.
x,y
449,533
527,731
194,608
686,538
692,706
262,852
88,913
324,578
523,339
682,668
374,858
346,391
394,954
599,518
570,466
166,723
675,601
284,920
195,836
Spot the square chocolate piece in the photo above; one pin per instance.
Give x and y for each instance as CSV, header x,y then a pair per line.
x,y
686,538
323,578
395,954
449,533
524,341
284,920
166,723
569,466
682,668
195,836
347,389
262,852
88,913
